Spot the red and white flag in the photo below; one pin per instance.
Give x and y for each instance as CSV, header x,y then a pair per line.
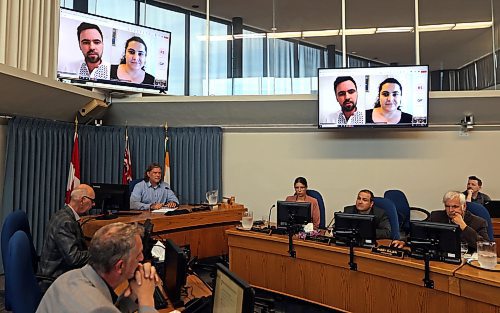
x,y
74,169
127,164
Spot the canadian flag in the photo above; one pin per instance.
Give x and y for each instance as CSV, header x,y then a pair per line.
x,y
127,164
74,169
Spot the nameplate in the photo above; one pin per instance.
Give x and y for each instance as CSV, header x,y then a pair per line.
x,y
388,251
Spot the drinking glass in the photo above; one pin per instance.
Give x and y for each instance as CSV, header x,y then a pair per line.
x,y
247,220
487,254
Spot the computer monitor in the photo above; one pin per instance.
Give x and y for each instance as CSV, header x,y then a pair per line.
x,y
441,240
175,266
358,228
111,197
231,294
293,213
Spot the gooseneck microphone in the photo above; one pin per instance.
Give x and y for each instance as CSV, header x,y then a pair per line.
x,y
269,218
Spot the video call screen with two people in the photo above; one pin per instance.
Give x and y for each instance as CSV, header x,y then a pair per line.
x,y
109,51
373,97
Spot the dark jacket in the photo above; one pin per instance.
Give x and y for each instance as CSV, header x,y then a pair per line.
x,y
64,247
476,230
382,222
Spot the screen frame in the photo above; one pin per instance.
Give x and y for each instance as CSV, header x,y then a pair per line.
x,y
175,276
420,231
115,84
246,291
301,209
370,126
364,224
102,189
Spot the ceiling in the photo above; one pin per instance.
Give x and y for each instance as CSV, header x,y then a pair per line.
x,y
441,50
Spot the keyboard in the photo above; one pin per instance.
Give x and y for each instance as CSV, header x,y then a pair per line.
x,y
160,301
177,212
322,239
200,208
198,305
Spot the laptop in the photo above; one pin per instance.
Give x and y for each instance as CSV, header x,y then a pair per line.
x,y
493,206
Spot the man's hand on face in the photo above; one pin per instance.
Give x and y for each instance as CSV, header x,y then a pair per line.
x,y
458,219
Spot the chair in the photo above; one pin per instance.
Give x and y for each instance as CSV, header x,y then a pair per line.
x,y
316,195
479,210
132,184
403,208
390,209
20,280
15,221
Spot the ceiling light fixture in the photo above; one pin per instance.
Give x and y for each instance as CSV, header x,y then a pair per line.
x,y
474,25
403,29
320,33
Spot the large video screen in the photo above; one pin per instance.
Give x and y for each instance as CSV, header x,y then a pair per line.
x,y
373,97
98,49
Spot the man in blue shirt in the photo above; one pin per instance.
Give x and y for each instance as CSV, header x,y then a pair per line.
x,y
152,193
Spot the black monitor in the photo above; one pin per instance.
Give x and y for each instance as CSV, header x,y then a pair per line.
x,y
293,213
358,229
174,279
232,294
111,197
441,240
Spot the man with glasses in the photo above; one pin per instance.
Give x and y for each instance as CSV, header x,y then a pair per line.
x,y
64,247
474,228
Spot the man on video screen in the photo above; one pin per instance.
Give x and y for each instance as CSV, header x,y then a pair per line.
x,y
346,93
91,44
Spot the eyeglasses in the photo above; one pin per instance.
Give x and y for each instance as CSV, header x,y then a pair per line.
x,y
91,199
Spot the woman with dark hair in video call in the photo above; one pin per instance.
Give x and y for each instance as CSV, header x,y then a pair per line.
x,y
387,107
131,67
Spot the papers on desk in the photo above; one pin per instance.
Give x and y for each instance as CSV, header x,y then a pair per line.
x,y
164,210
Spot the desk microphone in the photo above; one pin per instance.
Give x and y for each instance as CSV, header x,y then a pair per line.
x,y
269,218
331,222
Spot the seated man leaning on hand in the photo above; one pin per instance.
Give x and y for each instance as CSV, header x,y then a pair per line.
x,y
152,193
115,256
364,205
474,228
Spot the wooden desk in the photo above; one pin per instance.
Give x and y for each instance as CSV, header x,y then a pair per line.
x,y
382,284
204,231
496,233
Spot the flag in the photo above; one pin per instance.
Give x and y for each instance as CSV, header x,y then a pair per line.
x,y
127,164
166,172
74,169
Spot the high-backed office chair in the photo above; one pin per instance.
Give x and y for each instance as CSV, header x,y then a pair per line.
x,y
132,184
316,195
403,208
390,209
20,280
479,210
15,221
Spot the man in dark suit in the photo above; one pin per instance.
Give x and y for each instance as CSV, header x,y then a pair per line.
x,y
64,247
474,228
364,205
115,256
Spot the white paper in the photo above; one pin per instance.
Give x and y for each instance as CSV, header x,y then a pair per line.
x,y
158,251
164,210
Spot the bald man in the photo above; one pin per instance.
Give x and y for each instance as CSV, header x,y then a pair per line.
x,y
64,247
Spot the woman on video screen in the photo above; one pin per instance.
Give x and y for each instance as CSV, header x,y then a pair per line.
x,y
131,67
387,107
300,195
